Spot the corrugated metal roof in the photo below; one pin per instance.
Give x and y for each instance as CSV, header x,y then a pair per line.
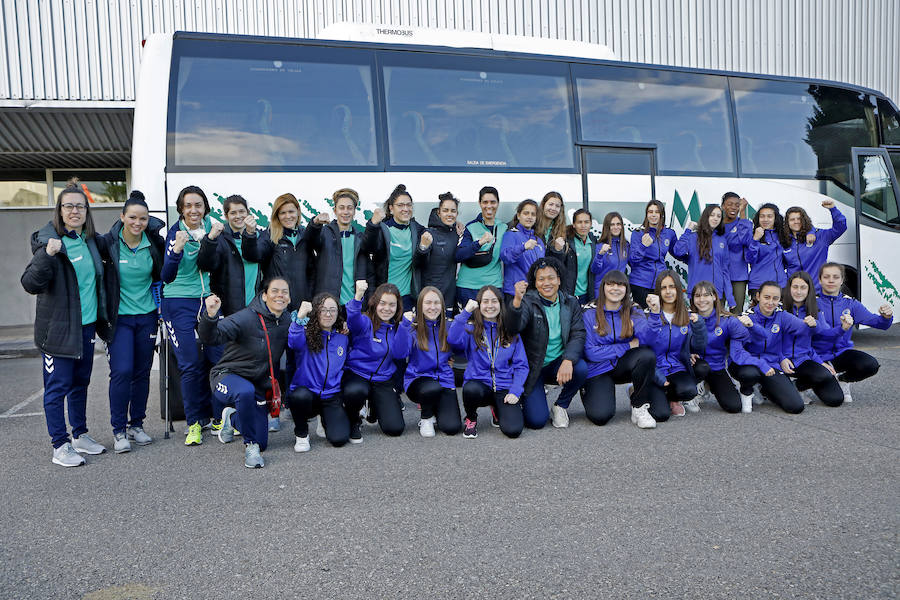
x,y
50,139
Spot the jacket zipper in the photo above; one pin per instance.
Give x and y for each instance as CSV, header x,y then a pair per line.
x,y
327,365
386,352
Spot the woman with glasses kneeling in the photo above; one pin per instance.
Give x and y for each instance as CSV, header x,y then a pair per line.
x,y
242,380
497,365
321,349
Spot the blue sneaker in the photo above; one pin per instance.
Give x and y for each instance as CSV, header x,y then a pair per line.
x,y
252,457
226,433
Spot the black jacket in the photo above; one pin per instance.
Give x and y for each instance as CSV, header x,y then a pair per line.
x,y
245,352
284,260
439,268
222,259
57,319
530,322
569,261
377,243
325,242
111,281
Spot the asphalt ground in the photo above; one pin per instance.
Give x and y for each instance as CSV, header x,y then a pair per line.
x,y
766,505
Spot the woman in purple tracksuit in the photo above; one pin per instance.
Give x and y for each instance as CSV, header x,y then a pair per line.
x,y
428,379
612,250
321,351
520,246
376,341
497,365
707,253
765,251
809,245
647,251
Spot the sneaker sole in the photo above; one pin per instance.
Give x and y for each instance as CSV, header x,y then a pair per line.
x,y
470,437
83,451
62,464
355,441
187,443
137,443
253,466
122,451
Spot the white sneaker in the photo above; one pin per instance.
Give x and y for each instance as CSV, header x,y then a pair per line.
x,y
320,428
692,405
302,444
559,416
809,396
121,444
757,395
138,436
845,387
426,427
746,403
85,444
66,456
640,416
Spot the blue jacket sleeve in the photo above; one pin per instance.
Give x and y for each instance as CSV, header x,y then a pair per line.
x,y
636,249
402,341
520,369
358,323
172,258
838,226
297,338
698,336
682,248
649,329
467,246
862,316
512,247
456,333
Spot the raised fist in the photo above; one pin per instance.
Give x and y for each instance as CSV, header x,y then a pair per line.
x,y
653,303
486,238
250,224
471,306
530,244
321,219
846,322
693,317
809,320
215,229
810,239
53,246
410,316
181,238
886,311
604,249
758,233
361,286
647,239
746,321
521,288
460,228
377,216
425,241
744,205
304,310
213,304
559,243
828,203
692,225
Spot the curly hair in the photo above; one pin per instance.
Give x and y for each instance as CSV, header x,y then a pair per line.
x,y
314,329
778,226
805,224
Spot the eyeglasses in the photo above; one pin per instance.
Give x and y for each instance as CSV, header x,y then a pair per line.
x,y
329,311
70,207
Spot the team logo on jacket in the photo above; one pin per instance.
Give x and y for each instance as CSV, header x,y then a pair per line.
x,y
684,329
734,229
340,350
666,243
846,311
718,331
721,244
776,328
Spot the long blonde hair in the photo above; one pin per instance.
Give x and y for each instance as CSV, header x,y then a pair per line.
x,y
557,225
276,230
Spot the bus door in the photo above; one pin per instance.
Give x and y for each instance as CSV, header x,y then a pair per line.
x,y
878,220
618,179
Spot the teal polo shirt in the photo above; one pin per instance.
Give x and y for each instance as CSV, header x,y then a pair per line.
x,y
135,277
86,274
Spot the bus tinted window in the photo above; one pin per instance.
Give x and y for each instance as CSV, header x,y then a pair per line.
x,y
477,113
798,129
890,123
686,115
268,105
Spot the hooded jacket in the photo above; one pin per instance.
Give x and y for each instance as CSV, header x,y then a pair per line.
x,y
432,363
530,321
325,242
614,260
647,262
372,354
114,245
246,353
438,266
766,257
800,257
673,344
319,372
496,366
602,352
569,260
57,317
284,259
516,259
739,233
222,258
832,307
725,341
377,242
716,271
768,335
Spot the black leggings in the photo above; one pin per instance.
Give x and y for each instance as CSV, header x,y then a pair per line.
x,y
636,366
639,295
810,374
682,387
305,405
855,365
778,388
720,385
384,402
511,416
436,401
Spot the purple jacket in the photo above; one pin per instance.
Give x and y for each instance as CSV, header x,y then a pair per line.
x,y
319,373
496,366
433,363
372,354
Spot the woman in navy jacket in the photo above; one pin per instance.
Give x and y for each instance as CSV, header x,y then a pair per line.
x,y
66,274
674,335
647,251
136,251
496,367
428,379
613,355
612,250
439,244
376,341
321,352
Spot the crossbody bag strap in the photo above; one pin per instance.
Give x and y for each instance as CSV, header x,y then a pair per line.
x,y
269,348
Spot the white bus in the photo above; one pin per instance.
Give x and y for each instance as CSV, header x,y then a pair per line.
x,y
263,116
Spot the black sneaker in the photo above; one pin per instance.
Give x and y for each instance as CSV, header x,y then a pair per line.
x,y
355,435
470,431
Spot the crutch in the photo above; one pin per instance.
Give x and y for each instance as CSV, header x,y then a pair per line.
x,y
163,349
